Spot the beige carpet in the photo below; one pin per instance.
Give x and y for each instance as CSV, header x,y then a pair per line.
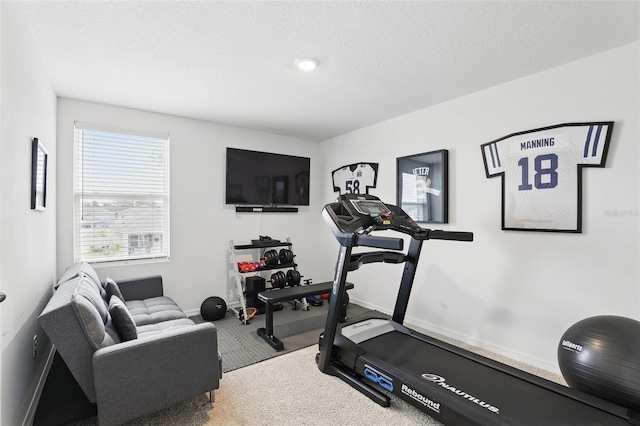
x,y
287,390
290,390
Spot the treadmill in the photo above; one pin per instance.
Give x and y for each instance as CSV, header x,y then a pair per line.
x,y
378,356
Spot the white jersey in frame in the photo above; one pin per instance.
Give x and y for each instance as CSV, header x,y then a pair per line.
x,y
355,178
541,173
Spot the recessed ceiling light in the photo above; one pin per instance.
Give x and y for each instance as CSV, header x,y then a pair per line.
x,y
306,64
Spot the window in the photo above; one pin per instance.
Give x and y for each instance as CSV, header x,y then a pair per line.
x,y
121,195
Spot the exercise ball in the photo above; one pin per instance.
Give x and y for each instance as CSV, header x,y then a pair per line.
x,y
213,308
601,356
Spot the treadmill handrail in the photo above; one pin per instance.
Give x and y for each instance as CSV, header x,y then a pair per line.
x,y
368,240
360,259
439,234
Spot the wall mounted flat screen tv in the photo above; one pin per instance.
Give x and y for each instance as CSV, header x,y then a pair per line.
x,y
265,179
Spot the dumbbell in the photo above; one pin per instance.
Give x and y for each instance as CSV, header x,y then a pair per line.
x,y
286,256
250,266
278,280
293,278
270,258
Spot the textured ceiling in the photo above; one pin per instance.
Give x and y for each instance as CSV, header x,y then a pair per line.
x,y
232,62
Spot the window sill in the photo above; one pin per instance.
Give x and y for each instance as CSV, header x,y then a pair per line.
x,y
129,262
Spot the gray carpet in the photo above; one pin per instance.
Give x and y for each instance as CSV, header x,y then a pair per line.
x,y
240,344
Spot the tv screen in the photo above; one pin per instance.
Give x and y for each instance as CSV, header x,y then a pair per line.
x,y
263,178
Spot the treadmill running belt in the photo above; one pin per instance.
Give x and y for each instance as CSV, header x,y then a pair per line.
x,y
480,391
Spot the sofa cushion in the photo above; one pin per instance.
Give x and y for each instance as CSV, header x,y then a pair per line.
x,y
151,329
91,312
154,310
78,269
122,319
112,289
88,290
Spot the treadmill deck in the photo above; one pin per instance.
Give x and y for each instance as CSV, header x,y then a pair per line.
x,y
457,387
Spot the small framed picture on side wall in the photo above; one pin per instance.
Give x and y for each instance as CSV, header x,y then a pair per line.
x,y
39,158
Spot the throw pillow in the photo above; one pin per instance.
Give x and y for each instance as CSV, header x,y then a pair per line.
x,y
112,289
122,319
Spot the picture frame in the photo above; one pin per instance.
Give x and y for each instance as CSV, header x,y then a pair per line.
x,y
39,162
423,186
541,172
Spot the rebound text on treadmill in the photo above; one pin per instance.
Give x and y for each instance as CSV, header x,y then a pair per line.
x,y
414,394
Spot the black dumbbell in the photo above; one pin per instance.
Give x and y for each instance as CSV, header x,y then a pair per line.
x,y
279,279
285,256
270,258
293,278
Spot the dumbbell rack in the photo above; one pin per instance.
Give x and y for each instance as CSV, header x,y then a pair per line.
x,y
262,247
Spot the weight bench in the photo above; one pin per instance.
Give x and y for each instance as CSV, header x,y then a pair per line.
x,y
270,297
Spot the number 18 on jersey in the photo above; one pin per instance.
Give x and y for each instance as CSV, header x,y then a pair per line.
x,y
541,172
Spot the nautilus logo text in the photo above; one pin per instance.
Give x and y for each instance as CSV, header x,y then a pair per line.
x,y
441,381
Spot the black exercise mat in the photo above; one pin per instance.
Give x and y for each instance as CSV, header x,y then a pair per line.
x,y
240,345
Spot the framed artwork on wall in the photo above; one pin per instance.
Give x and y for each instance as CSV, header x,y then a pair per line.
x,y
39,158
356,178
422,186
541,172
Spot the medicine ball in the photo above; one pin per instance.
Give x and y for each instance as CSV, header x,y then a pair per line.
x,y
601,356
213,308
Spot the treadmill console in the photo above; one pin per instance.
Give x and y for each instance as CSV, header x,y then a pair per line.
x,y
370,207
352,217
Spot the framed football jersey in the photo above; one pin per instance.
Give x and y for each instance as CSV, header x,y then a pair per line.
x,y
422,186
355,178
541,173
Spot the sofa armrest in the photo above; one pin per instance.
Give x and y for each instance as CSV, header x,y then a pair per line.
x,y
141,288
141,376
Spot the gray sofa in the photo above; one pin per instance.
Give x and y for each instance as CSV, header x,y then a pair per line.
x,y
131,349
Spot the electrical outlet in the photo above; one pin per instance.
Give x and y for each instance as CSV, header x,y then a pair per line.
x,y
35,346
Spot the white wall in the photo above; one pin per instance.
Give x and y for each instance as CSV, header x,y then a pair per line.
x,y
515,292
27,237
508,291
511,292
201,225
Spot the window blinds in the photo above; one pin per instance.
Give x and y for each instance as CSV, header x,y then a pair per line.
x,y
121,195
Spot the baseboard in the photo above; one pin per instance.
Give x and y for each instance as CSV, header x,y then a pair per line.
x,y
517,356
192,312
470,340
33,404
